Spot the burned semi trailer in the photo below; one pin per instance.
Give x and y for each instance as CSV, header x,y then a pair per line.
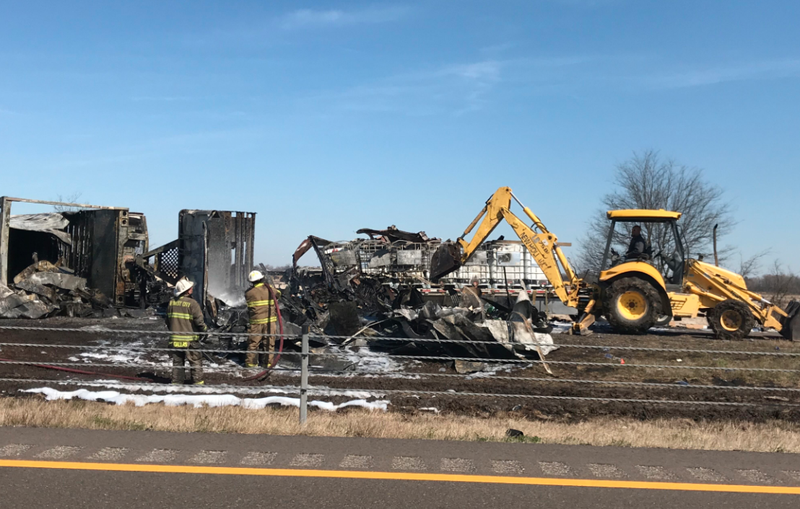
x,y
214,249
93,242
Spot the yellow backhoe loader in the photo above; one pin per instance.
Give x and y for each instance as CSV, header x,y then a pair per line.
x,y
631,293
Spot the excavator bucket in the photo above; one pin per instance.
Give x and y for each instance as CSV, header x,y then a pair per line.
x,y
791,324
445,260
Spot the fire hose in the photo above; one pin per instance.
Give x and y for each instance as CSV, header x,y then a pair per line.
x,y
82,372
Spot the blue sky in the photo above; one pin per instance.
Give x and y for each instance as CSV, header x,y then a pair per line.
x,y
326,117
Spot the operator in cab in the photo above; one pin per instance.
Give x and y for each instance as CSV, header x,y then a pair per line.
x,y
638,246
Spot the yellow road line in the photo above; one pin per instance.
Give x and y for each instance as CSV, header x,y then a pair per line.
x,y
402,476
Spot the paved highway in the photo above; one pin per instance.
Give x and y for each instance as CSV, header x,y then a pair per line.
x,y
79,468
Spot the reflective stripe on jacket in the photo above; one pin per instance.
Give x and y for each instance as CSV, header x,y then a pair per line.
x,y
260,305
184,316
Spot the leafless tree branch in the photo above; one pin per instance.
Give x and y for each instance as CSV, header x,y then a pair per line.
x,y
648,181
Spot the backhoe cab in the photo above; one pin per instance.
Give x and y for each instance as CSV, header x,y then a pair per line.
x,y
643,289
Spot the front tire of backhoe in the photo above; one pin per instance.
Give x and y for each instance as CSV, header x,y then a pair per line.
x,y
632,305
731,319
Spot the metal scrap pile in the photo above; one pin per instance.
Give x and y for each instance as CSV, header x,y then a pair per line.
x,y
471,332
45,289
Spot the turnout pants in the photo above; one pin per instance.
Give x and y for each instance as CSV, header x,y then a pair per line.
x,y
195,359
258,341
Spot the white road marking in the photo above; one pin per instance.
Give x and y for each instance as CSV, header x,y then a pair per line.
x,y
13,450
109,454
408,463
259,458
158,456
606,471
307,460
655,472
754,475
555,468
59,452
457,465
209,457
354,461
706,474
507,467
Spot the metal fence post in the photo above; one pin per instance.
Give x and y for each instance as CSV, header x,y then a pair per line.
x,y
304,380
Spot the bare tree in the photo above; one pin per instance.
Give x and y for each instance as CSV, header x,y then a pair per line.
x,y
749,267
779,286
648,181
72,198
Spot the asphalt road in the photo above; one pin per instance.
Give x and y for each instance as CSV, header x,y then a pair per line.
x,y
92,469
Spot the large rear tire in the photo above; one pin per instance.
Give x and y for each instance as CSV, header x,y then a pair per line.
x,y
632,305
663,320
731,319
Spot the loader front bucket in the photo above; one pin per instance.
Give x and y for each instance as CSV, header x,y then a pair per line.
x,y
791,325
445,260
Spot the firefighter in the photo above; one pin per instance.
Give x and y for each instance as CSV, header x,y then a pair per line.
x,y
184,317
263,312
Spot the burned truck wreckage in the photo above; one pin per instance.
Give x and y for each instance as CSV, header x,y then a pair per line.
x,y
377,288
91,261
96,261
74,263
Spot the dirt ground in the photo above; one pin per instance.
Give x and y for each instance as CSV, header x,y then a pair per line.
x,y
730,383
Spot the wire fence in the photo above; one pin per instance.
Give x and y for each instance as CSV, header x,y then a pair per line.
x,y
344,365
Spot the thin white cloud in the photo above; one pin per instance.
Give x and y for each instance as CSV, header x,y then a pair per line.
x,y
315,18
488,70
455,89
161,98
494,49
764,70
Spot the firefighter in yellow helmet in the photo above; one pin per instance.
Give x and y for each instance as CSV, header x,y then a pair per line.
x,y
184,317
263,310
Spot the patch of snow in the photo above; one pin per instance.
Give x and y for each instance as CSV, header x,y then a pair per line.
x,y
197,401
95,327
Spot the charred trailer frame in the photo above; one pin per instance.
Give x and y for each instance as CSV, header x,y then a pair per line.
x,y
104,242
216,251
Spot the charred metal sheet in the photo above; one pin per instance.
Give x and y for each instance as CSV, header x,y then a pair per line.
x,y
52,223
392,234
216,252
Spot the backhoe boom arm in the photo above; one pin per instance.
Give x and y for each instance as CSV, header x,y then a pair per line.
x,y
543,246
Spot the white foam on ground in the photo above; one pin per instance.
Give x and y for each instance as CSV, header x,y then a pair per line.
x,y
372,362
197,401
125,353
117,385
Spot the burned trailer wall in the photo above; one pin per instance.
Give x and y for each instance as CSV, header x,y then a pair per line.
x,y
104,246
216,252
